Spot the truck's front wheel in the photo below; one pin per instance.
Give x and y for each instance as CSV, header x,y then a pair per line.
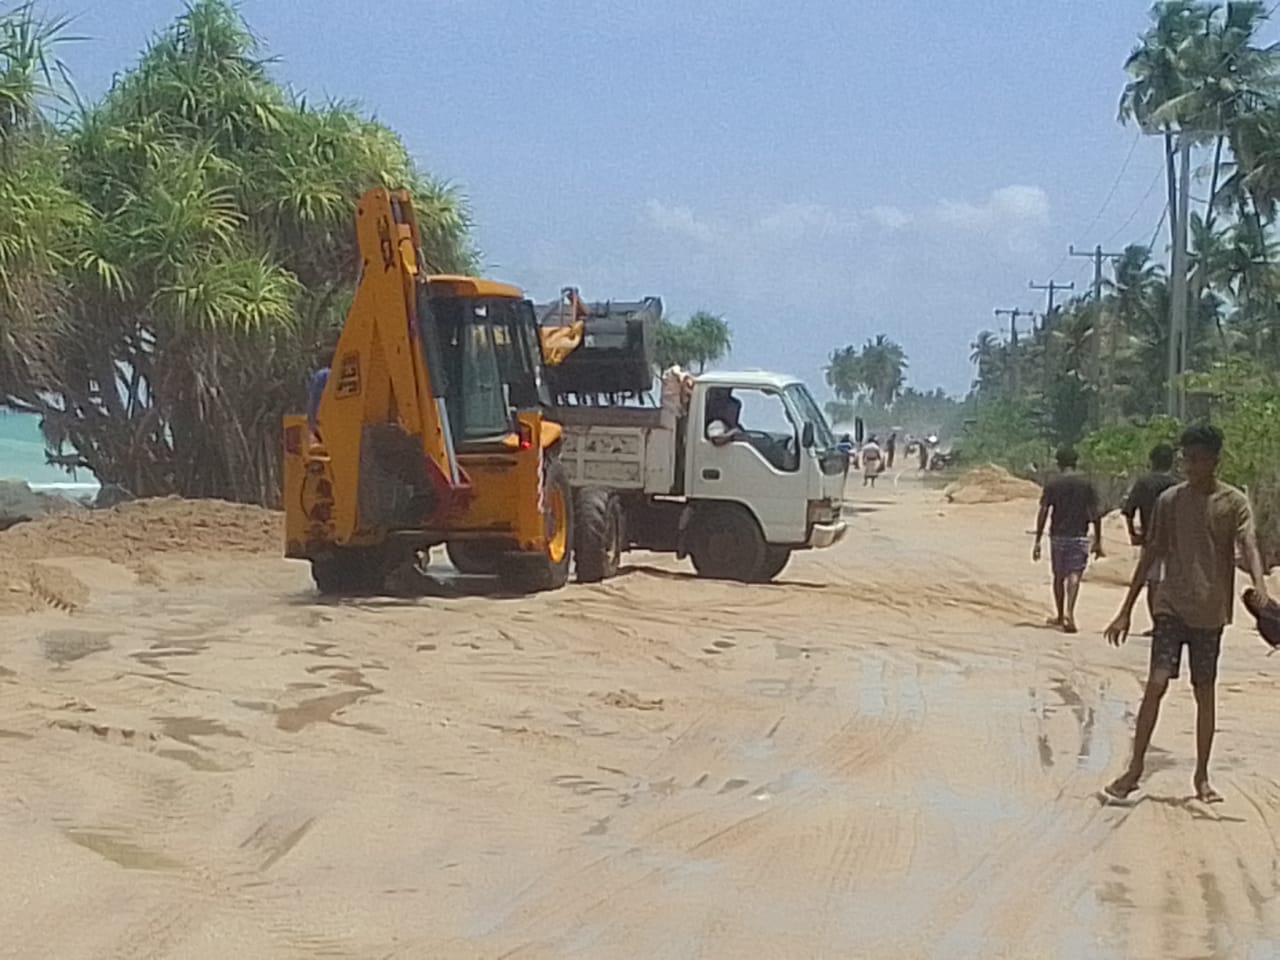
x,y
598,535
726,543
350,571
775,561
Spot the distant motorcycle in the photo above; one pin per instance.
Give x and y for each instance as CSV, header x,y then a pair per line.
x,y
941,461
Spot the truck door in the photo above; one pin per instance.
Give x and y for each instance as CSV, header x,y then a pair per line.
x,y
759,467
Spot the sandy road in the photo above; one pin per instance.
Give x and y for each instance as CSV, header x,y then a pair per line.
x,y
883,755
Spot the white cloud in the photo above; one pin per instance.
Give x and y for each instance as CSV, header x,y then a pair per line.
x,y
677,220
1014,207
890,217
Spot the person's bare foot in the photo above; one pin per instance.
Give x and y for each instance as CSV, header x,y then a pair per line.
x,y
1069,626
1206,794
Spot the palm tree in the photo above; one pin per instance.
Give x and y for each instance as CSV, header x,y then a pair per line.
x,y
1157,68
987,353
844,373
709,338
884,366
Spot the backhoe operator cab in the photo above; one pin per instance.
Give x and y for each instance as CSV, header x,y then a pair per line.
x,y
430,428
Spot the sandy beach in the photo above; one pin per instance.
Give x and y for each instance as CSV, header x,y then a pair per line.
x,y
885,754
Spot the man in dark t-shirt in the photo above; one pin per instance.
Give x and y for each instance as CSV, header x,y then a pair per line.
x,y
1072,502
1139,510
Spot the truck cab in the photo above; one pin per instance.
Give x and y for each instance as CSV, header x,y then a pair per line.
x,y
735,471
782,463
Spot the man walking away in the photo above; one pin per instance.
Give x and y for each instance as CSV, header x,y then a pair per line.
x,y
891,449
1195,532
1140,505
1073,503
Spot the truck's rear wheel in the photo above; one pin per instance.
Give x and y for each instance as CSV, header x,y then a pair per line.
x,y
726,543
350,571
598,535
775,561
548,570
481,557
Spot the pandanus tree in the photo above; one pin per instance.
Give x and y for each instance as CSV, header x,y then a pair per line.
x,y
216,252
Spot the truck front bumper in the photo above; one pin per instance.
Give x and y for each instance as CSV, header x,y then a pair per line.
x,y
826,534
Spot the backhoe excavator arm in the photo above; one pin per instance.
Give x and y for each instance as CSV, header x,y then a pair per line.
x,y
386,457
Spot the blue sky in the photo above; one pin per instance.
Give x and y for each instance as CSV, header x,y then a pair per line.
x,y
817,172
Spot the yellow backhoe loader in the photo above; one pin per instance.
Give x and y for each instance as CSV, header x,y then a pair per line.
x,y
430,428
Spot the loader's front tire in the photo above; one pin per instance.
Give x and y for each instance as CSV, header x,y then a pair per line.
x,y
348,571
549,569
598,534
479,557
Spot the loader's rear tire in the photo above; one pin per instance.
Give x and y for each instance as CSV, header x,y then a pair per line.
x,y
725,543
548,570
598,535
350,571
775,561
480,557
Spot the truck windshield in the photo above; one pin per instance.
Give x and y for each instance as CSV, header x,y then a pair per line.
x,y
809,411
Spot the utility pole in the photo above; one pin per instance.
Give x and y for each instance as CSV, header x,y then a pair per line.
x,y
1013,316
1101,328
1052,289
1176,398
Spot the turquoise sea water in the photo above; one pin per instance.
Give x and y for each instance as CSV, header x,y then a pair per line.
x,y
22,457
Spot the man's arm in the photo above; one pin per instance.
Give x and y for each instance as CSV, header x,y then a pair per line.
x,y
1155,549
1248,538
1041,519
1096,515
1128,509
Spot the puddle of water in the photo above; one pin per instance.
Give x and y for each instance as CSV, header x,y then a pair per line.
x,y
172,646
318,709
110,845
193,759
67,646
871,701
348,675
183,729
787,651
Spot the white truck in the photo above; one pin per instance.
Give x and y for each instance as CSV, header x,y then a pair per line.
x,y
652,478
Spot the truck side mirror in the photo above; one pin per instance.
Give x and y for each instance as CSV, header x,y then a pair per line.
x,y
807,435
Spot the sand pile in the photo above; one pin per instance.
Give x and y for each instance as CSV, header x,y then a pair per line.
x,y
127,533
26,587
990,484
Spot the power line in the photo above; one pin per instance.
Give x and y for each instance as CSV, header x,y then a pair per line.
x,y
1115,185
1138,209
1164,215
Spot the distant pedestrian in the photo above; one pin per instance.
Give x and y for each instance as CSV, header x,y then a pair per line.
x,y
891,449
872,462
1196,528
922,448
1139,511
1073,503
